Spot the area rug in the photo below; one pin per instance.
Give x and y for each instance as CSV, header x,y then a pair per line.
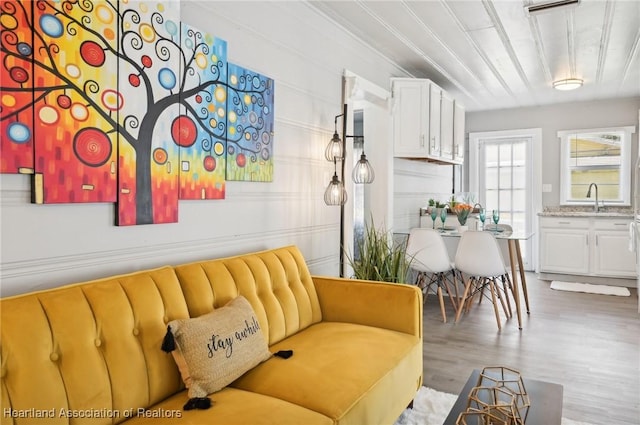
x,y
590,288
431,407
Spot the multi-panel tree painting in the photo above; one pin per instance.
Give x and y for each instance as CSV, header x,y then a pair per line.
x,y
118,101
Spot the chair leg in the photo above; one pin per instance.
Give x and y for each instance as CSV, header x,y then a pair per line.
x,y
495,304
444,315
478,285
422,285
463,299
453,301
469,300
506,283
502,299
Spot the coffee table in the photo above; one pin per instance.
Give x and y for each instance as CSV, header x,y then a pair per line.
x,y
545,399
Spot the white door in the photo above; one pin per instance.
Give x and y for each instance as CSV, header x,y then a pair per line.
x,y
501,174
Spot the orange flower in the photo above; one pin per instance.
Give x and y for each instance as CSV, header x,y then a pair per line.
x,y
465,208
462,211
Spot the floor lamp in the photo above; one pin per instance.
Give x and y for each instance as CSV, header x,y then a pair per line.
x,y
336,194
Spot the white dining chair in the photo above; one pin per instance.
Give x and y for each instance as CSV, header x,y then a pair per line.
x,y
428,255
479,258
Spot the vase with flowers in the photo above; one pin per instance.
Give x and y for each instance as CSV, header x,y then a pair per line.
x,y
462,211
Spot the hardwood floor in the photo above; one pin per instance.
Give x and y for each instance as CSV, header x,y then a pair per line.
x,y
590,344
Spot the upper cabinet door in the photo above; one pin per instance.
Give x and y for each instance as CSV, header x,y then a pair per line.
x,y
435,99
427,122
410,115
446,126
458,132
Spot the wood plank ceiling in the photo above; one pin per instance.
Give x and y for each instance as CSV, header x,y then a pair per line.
x,y
492,54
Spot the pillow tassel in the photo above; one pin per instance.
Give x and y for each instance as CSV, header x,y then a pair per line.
x,y
285,354
168,343
201,403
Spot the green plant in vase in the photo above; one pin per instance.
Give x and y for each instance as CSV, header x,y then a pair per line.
x,y
380,258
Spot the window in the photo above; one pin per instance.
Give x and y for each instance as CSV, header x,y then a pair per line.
x,y
601,156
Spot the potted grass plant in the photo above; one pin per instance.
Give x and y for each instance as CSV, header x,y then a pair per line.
x,y
380,258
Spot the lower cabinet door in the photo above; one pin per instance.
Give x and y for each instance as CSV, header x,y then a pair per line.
x,y
564,251
612,256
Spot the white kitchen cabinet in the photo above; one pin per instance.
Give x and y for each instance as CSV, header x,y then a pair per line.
x,y
446,126
589,246
423,121
435,97
564,246
458,132
612,256
410,118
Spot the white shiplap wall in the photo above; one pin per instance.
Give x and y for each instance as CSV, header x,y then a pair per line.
x,y
306,54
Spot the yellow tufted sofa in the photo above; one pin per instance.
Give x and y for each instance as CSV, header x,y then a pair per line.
x,y
90,353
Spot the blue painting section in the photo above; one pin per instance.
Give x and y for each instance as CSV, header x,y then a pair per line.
x,y
250,120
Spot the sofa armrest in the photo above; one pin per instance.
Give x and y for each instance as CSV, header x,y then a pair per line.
x,y
391,306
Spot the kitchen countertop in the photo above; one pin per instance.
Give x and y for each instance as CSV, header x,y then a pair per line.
x,y
605,212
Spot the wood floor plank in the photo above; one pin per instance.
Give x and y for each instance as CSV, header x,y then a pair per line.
x,y
589,344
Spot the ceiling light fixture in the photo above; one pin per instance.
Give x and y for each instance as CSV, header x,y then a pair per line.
x,y
568,84
550,6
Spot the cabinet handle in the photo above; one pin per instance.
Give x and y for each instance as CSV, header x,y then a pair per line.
x,y
587,238
422,141
564,222
620,224
596,240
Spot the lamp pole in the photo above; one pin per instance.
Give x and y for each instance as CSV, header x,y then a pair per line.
x,y
344,150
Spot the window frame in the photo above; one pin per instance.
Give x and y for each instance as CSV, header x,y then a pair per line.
x,y
625,166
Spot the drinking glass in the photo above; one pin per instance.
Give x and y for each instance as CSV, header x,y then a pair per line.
x,y
496,218
482,215
434,215
443,217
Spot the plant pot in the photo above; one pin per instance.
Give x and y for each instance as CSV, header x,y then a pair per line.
x,y
463,228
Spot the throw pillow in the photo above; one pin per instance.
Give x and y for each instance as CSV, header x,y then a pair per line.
x,y
215,349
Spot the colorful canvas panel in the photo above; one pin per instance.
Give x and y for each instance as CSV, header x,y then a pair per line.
x,y
250,119
150,133
75,101
16,87
201,125
118,101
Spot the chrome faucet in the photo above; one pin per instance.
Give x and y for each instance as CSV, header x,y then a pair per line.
x,y
595,207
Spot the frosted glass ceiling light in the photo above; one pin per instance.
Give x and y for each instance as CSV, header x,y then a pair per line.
x,y
568,84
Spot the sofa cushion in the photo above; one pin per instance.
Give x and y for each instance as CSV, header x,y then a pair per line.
x,y
90,346
231,406
214,349
343,370
277,284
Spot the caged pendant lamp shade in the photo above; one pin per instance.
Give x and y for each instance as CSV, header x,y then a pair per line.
x,y
363,171
335,149
335,194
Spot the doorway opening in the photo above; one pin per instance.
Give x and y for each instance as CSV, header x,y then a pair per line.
x,y
502,174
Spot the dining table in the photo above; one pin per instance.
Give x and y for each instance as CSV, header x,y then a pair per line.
x,y
512,239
